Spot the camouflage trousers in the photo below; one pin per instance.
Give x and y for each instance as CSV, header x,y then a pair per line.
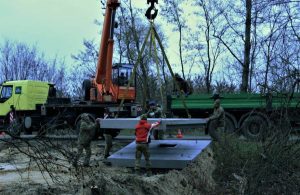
x,y
88,153
158,135
142,149
108,145
214,130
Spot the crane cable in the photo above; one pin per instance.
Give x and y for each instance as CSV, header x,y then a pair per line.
x,y
133,71
157,66
154,35
171,71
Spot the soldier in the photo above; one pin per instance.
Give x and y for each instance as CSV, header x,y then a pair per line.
x,y
158,111
151,109
217,121
155,111
107,136
183,85
122,80
86,134
142,133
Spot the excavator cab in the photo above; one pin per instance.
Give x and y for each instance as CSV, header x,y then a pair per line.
x,y
121,74
120,77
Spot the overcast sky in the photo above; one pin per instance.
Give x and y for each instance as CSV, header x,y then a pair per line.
x,y
55,26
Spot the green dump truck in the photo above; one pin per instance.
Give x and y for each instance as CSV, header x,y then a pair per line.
x,y
27,105
248,114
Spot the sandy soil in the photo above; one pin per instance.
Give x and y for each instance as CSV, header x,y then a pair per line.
x,y
22,174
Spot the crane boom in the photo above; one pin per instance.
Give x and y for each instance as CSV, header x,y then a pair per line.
x,y
104,64
108,85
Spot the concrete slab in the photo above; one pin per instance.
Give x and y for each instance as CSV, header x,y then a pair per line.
x,y
164,154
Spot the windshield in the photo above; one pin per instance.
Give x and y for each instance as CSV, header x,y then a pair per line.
x,y
121,75
6,92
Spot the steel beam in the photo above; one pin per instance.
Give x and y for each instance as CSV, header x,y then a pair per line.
x,y
166,123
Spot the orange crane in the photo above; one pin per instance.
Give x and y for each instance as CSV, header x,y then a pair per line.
x,y
110,82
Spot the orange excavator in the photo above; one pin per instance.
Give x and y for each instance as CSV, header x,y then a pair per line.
x,y
110,82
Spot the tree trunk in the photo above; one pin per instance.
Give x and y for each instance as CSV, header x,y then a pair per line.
x,y
245,73
180,50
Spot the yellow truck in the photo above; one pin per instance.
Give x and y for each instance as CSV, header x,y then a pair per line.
x,y
27,105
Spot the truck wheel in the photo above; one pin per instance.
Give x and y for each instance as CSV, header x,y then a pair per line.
x,y
86,86
229,125
27,125
254,127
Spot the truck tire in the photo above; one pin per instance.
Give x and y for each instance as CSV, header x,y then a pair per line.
x,y
229,125
27,125
254,127
86,86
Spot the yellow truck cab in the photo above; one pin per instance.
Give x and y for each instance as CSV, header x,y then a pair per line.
x,y
23,96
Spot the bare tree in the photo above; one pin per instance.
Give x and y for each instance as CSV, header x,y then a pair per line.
x,y
174,14
210,49
21,62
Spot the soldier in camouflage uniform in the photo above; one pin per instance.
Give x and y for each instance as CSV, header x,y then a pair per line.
x,y
86,134
183,85
107,135
155,111
217,121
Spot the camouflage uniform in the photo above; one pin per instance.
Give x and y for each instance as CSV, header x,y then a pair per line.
x,y
183,85
108,144
142,148
108,137
217,121
156,112
86,134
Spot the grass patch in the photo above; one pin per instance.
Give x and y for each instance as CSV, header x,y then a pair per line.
x,y
269,167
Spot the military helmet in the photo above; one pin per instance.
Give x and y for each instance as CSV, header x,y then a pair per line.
x,y
215,96
144,117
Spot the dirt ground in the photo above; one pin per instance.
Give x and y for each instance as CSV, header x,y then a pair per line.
x,y
52,173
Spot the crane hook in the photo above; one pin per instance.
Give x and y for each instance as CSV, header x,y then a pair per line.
x,y
152,7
